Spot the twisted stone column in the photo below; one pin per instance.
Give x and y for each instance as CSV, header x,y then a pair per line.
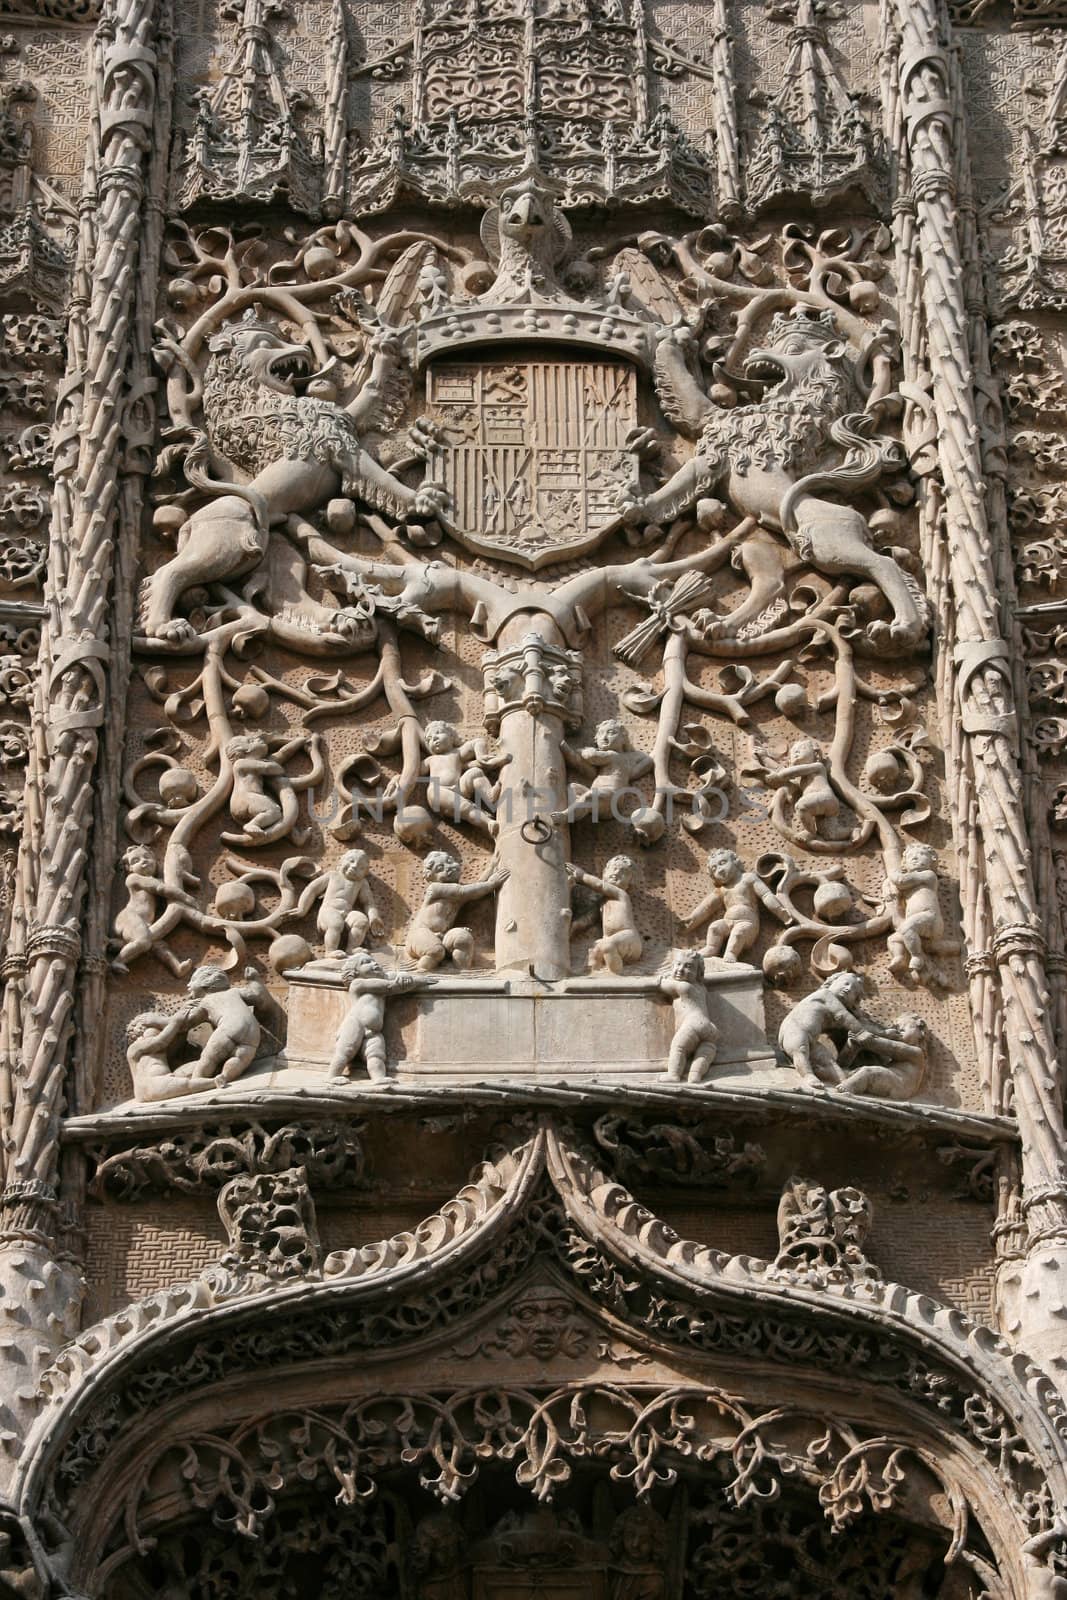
x,y
983,684
39,1294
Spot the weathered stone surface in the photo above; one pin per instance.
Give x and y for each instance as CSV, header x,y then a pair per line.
x,y
532,763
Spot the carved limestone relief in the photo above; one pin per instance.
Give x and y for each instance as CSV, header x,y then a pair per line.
x,y
317,506
532,597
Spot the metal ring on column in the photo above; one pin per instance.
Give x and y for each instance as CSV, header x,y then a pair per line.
x,y
536,830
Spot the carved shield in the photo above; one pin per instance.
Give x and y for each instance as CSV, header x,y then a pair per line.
x,y
534,452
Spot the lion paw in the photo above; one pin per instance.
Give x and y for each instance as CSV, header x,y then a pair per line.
x,y
425,435
431,501
175,631
631,511
353,626
890,638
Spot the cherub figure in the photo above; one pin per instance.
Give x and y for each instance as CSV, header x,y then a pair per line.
x,y
834,1006
235,1035
134,922
919,932
264,801
347,912
438,1553
431,938
458,785
620,944
362,1033
695,1036
148,1041
733,907
612,765
901,1047
232,1016
806,781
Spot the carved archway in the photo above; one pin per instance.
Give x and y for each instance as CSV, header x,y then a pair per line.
x,y
419,1355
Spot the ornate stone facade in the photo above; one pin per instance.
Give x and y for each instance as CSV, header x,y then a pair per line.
x,y
534,745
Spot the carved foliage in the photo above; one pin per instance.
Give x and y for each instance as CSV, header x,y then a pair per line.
x,y
672,1153
821,1235
447,1438
205,1158
270,1221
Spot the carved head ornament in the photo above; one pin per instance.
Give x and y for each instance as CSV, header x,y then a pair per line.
x,y
441,867
354,864
361,964
208,980
688,966
620,871
259,348
527,214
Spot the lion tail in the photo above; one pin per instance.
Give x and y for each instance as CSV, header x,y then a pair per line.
x,y
868,457
197,472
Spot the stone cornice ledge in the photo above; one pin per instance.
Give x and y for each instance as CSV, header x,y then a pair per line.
x,y
907,1120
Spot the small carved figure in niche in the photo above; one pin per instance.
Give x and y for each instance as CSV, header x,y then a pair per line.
x,y
562,682
901,1065
235,1034
362,1033
620,944
431,938
539,1540
347,912
439,1558
833,1007
612,765
148,1041
459,787
133,924
695,1037
919,933
432,284
733,907
806,780
263,815
639,1551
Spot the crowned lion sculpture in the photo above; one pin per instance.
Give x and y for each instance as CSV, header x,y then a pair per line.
x,y
295,452
805,433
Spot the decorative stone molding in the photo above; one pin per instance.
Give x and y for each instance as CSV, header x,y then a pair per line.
x,y
604,1224
203,1159
531,664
